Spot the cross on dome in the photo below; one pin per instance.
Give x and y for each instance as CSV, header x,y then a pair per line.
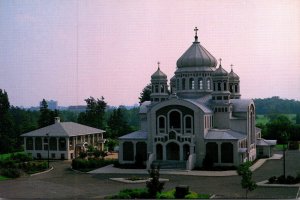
x,y
196,29
196,36
158,63
231,66
220,59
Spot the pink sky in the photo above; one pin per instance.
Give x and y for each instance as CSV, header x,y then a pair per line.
x,y
120,42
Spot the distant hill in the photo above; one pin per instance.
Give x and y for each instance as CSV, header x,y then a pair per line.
x,y
275,105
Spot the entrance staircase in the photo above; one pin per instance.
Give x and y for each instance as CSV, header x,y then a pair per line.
x,y
170,164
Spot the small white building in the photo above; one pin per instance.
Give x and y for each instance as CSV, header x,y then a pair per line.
x,y
64,139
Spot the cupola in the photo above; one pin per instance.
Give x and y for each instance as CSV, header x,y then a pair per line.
x,y
196,56
234,85
159,84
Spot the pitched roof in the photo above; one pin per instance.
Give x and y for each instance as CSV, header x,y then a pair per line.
x,y
64,129
224,134
143,107
137,135
263,142
241,105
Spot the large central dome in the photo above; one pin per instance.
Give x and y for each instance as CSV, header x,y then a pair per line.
x,y
196,56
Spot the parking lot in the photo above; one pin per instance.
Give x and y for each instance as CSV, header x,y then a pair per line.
x,y
62,182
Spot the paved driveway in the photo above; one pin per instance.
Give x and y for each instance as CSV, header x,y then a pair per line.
x,y
64,183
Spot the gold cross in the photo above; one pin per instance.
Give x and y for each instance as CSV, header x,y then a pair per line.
x,y
158,64
220,61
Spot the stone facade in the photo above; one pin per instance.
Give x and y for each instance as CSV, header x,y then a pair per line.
x,y
203,117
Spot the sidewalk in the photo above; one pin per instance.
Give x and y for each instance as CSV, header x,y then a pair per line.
x,y
112,170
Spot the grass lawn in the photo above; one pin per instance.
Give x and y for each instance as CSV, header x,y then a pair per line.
x,y
263,119
2,178
7,155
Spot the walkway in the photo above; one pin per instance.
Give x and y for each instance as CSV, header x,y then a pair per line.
x,y
112,170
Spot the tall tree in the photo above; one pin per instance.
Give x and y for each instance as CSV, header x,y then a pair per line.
x,y
46,115
94,115
145,94
7,135
117,124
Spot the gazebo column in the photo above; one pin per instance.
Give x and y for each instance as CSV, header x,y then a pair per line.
x,y
121,151
134,149
33,145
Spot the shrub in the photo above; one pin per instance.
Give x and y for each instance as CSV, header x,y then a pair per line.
x,y
97,153
21,157
272,179
166,195
281,179
87,165
11,172
290,180
132,194
154,186
192,195
82,155
8,164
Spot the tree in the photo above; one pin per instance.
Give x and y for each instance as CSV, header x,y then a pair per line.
x,y
298,118
117,125
7,134
154,185
145,94
94,114
277,126
247,183
46,115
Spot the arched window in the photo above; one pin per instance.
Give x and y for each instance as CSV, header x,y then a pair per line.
x,y
219,86
29,143
183,84
62,144
156,88
191,84
175,119
162,89
230,88
236,88
161,124
226,152
188,124
208,84
177,84
225,86
200,84
38,143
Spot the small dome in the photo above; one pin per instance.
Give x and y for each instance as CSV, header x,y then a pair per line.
x,y
158,74
220,72
233,75
196,56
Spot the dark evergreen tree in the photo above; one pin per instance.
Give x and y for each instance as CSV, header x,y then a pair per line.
x,y
7,134
117,124
94,115
145,94
46,115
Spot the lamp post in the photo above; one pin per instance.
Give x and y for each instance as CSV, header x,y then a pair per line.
x,y
285,138
48,148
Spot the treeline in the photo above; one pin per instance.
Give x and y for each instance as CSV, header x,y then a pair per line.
x,y
275,105
14,121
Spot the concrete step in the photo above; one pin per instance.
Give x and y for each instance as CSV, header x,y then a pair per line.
x,y
170,164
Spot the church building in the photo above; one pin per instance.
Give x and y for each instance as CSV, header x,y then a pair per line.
x,y
201,116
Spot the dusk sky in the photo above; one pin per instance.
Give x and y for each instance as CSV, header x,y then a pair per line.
x,y
120,43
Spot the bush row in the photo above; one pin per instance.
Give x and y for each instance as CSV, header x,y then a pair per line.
x,y
142,193
284,180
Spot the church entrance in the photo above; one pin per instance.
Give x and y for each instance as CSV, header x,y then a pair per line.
x,y
186,151
159,152
172,151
